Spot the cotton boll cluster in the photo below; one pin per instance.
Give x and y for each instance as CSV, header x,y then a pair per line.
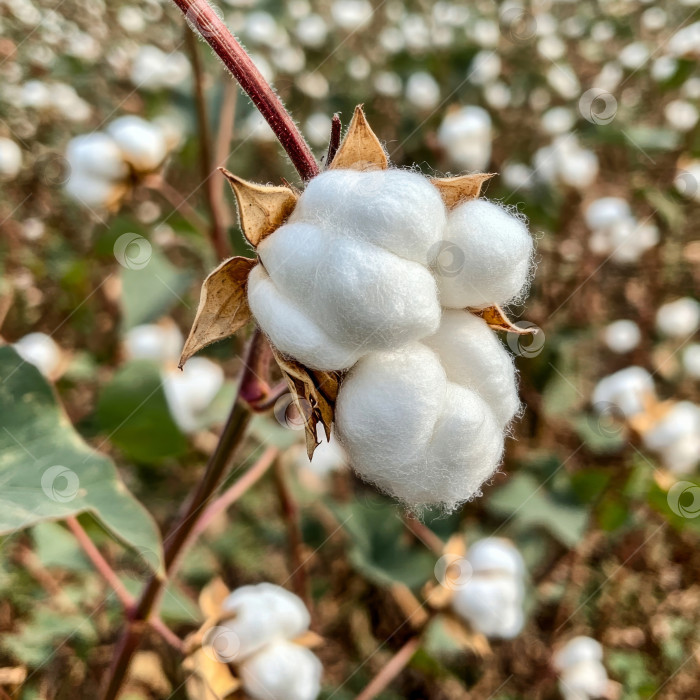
x,y
616,233
491,600
43,352
678,319
257,636
622,336
675,437
103,163
582,675
52,98
153,69
465,135
567,162
630,390
10,159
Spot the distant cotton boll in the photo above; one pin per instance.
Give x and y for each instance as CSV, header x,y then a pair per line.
x,y
351,14
577,650
573,27
33,229
282,671
262,614
691,360
142,144
298,9
516,176
358,68
190,392
313,84
388,84
628,390
578,167
66,100
312,31
131,19
602,32
412,433
473,357
492,256
256,127
663,68
582,675
485,33
685,42
41,351
317,129
558,120
466,136
607,211
609,77
634,55
261,28
691,88
154,69
622,336
630,240
545,24
682,419
173,126
95,154
551,47
35,94
539,99
681,115
678,319
392,40
416,32
10,159
93,191
495,555
484,68
161,342
289,59
563,79
497,95
263,65
422,90
654,19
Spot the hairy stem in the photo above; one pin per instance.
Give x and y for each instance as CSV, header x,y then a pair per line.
x,y
204,20
334,141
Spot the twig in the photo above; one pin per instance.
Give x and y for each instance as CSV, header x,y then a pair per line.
x,y
206,164
392,669
177,202
254,387
334,142
425,535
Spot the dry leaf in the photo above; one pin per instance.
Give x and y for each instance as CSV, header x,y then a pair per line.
x,y
455,190
146,669
360,149
212,598
223,306
262,208
437,596
497,319
209,679
456,546
470,641
654,411
411,607
309,639
314,394
13,675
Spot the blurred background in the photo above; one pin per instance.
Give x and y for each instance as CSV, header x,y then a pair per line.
x,y
113,118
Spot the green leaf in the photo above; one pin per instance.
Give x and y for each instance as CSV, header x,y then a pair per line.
x,y
133,412
47,471
150,291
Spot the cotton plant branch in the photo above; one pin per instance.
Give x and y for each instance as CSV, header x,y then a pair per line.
x,y
391,670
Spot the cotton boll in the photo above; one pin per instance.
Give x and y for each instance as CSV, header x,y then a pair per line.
x,y
492,605
551,47
312,31
388,84
563,80
629,390
351,14
691,360
558,120
579,168
582,675
154,69
261,28
678,319
606,211
282,671
517,176
497,95
681,115
96,155
654,19
484,68
682,456
491,258
314,85
422,90
683,419
495,555
41,351
256,127
35,94
622,336
317,129
663,68
262,614
161,342
466,136
142,144
190,392
577,650
685,42
93,191
472,356
634,55
10,159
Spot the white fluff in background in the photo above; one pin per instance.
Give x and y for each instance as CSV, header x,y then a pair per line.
x,y
42,351
491,600
579,664
348,273
465,135
691,360
628,390
491,257
142,144
154,69
678,319
567,162
622,336
676,438
413,433
10,159
161,342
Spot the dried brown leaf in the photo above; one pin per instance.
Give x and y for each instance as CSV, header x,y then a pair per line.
x,y
262,208
455,190
314,394
212,598
411,607
147,669
309,639
496,317
360,149
470,641
209,679
223,306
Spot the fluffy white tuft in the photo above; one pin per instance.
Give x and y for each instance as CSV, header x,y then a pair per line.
x,y
495,555
142,144
581,672
490,254
627,389
678,319
41,351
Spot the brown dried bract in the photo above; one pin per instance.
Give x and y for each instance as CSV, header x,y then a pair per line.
x,y
497,319
455,190
360,149
262,208
223,306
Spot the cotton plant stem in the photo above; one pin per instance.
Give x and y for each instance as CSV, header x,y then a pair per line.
x,y
206,163
222,147
177,202
392,669
334,141
204,20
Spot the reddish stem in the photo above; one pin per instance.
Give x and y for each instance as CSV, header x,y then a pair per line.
x,y
392,669
203,19
334,141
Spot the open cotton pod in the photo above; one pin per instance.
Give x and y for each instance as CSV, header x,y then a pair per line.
x,y
160,341
44,353
628,390
582,675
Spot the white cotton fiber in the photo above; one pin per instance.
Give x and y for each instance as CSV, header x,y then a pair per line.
x,y
262,614
142,144
414,434
495,555
628,390
348,273
10,159
490,259
473,357
607,211
282,671
622,336
161,342
582,675
96,155
682,419
41,351
678,319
